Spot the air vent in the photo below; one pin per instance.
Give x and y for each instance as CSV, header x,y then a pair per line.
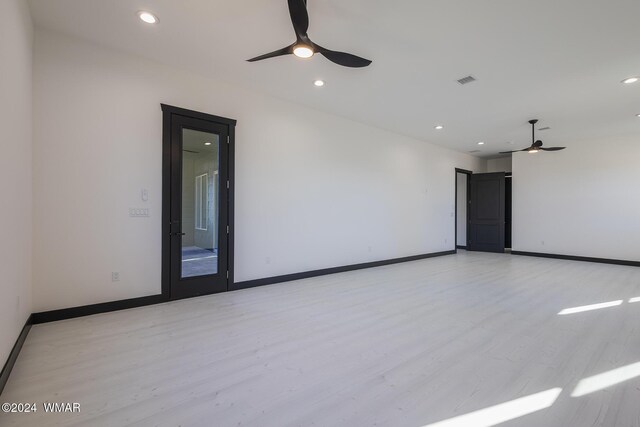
x,y
474,151
545,128
467,80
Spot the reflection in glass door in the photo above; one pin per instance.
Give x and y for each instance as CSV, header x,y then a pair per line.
x,y
200,192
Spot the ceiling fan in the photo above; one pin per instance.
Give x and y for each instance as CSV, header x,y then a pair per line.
x,y
304,47
535,145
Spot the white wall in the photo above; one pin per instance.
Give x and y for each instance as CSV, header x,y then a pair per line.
x,y
502,164
16,39
461,221
582,201
312,190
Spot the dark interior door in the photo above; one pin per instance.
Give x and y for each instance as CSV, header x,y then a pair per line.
x,y
487,212
199,214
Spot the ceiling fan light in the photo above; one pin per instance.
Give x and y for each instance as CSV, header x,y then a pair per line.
x,y
147,17
630,80
302,51
533,151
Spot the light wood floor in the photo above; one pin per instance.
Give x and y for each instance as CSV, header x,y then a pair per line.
x,y
405,345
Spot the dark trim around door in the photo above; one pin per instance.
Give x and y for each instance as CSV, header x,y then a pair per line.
x,y
169,112
198,115
230,204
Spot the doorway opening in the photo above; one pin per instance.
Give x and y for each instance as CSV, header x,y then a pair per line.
x,y
461,207
197,223
483,213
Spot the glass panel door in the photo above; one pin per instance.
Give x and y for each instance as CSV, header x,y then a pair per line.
x,y
200,192
198,223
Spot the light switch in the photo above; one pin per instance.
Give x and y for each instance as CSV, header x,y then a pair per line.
x,y
139,212
144,194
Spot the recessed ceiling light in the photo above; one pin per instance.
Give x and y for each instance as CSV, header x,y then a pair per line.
x,y
302,51
147,17
637,115
207,143
439,127
480,143
630,80
319,83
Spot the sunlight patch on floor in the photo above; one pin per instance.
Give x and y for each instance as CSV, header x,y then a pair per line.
x,y
591,307
503,412
606,379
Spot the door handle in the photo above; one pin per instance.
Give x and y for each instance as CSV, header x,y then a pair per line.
x,y
177,234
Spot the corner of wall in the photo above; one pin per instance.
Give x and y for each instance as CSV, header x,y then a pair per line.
x,y
16,121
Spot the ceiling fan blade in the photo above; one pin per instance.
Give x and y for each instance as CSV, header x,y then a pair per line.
x,y
299,16
515,151
344,59
284,51
552,148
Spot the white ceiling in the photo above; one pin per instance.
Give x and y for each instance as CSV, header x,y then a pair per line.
x,y
560,61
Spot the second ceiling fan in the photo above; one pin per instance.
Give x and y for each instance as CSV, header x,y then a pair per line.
x,y
304,47
536,145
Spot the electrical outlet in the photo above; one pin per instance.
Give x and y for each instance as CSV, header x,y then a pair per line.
x,y
115,276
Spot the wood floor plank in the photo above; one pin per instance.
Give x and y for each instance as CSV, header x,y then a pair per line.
x,y
410,345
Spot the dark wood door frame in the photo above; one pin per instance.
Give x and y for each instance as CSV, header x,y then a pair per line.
x,y
168,113
468,173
